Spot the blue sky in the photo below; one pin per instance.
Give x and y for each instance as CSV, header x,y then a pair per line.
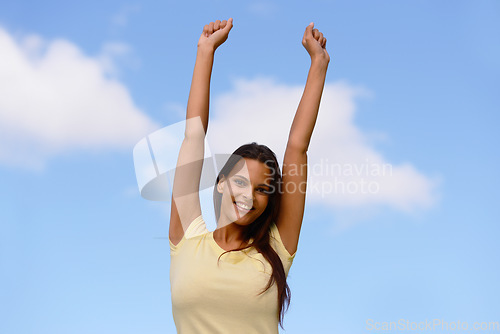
x,y
411,83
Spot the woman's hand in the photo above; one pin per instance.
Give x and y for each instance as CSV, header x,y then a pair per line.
x,y
315,44
215,33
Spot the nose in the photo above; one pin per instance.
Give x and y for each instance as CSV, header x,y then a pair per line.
x,y
249,194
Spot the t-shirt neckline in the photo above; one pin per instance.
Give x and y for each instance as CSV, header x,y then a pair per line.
x,y
220,249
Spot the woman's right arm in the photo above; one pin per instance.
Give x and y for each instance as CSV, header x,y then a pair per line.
x,y
185,205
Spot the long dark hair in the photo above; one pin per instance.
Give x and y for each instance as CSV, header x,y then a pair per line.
x,y
259,230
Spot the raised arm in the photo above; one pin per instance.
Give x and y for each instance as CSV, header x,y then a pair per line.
x,y
295,160
185,194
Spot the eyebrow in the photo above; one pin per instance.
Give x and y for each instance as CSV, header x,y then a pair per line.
x,y
262,184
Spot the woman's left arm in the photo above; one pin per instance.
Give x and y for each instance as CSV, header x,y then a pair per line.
x,y
295,160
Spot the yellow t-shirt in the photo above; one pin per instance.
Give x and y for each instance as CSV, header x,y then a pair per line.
x,y
223,297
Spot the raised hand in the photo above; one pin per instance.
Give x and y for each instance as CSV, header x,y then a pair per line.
x,y
315,43
215,33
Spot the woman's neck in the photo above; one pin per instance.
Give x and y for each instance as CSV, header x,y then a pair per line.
x,y
230,236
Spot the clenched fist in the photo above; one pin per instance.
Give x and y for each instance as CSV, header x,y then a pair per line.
x,y
215,33
315,43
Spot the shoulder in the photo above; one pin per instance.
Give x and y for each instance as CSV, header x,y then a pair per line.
x,y
197,228
277,244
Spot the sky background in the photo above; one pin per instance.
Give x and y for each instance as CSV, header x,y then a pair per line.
x,y
411,84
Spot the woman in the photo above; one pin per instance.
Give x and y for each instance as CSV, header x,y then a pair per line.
x,y
233,280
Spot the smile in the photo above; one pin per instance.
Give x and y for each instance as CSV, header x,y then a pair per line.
x,y
243,207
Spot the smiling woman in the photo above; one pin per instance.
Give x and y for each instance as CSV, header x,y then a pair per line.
x,y
245,182
233,280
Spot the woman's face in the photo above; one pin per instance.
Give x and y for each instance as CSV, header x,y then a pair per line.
x,y
245,193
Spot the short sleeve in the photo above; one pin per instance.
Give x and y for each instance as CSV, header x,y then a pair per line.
x,y
278,246
196,228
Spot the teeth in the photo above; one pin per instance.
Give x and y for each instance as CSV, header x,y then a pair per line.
x,y
243,206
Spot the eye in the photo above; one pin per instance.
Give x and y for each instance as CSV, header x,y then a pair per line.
x,y
239,182
264,191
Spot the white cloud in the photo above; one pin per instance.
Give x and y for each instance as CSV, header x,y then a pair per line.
x,y
55,99
115,55
344,170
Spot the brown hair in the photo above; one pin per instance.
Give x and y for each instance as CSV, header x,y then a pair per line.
x,y
259,230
